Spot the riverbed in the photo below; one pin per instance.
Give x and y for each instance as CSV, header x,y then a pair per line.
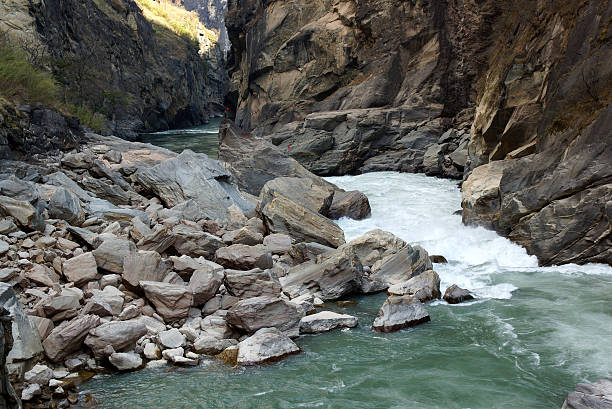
x,y
530,336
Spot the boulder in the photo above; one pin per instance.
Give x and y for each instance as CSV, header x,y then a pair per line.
x,y
30,391
353,204
59,303
111,296
160,240
331,275
80,269
283,215
204,283
143,266
98,306
40,374
216,326
303,191
22,211
111,254
242,257
252,283
68,337
125,361
172,301
277,243
424,287
245,236
266,345
195,243
41,275
255,313
212,346
120,335
326,321
399,312
193,176
151,351
455,295
375,245
44,326
410,261
596,395
65,205
171,338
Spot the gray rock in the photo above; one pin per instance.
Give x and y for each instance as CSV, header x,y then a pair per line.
x,y
424,287
304,191
171,301
171,339
266,345
193,176
98,306
30,392
242,257
277,243
455,295
143,266
120,335
44,326
375,245
399,312
80,269
252,283
410,261
195,243
68,337
40,374
4,247
129,312
152,351
65,205
112,296
255,313
125,361
111,254
282,215
204,283
326,321
331,275
160,240
353,204
41,275
597,395
22,211
212,346
7,226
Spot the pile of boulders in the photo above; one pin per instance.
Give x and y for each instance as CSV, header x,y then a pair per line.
x,y
119,257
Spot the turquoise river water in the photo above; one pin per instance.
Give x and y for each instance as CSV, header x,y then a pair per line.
x,y
530,336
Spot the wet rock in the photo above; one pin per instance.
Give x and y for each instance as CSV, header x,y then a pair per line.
x,y
80,269
110,255
332,275
171,301
325,321
255,313
125,361
242,257
424,287
118,334
282,215
204,283
353,204
267,344
143,266
596,395
399,312
65,205
252,283
68,337
438,259
455,295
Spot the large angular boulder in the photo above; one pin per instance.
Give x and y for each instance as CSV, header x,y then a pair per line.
x,y
303,191
325,321
399,312
68,337
266,345
41,275
243,257
424,287
80,269
66,205
255,313
26,340
331,275
195,243
252,283
204,283
455,295
353,204
193,176
172,301
118,334
410,261
375,245
283,215
143,266
111,254
25,214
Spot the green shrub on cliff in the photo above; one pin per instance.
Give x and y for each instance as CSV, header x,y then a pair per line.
x,y
20,80
167,14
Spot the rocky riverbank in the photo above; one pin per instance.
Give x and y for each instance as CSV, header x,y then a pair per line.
x,y
116,256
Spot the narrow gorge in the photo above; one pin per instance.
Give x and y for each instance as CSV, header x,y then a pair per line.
x,y
305,203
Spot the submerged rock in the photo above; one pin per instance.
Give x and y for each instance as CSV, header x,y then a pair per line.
x,y
326,321
455,295
399,312
266,345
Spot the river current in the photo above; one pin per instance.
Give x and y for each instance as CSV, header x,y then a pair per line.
x,y
528,338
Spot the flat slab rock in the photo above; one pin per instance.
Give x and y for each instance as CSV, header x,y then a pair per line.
x,y
266,345
326,321
399,312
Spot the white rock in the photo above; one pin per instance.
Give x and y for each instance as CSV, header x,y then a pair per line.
x,y
171,338
39,374
30,392
326,321
267,344
125,361
152,351
170,353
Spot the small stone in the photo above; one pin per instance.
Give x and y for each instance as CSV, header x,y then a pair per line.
x,y
39,374
30,391
169,354
125,361
152,351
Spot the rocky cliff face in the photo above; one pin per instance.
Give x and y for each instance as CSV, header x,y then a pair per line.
x,y
212,14
351,87
542,133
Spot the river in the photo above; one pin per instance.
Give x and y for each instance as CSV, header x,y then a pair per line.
x,y
530,336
